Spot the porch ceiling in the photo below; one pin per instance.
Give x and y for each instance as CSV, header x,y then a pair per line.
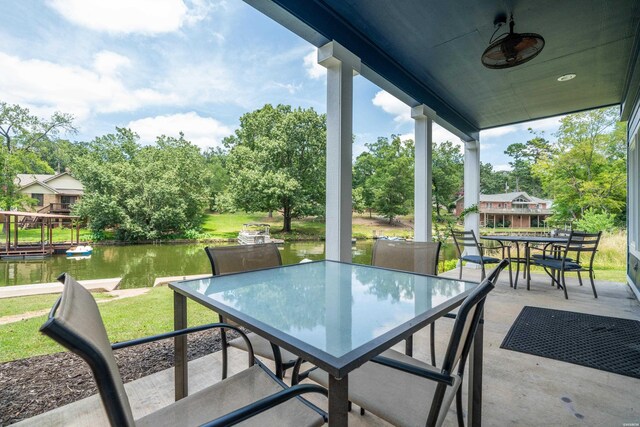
x,y
431,51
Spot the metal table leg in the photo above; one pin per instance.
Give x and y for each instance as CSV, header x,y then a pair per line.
x,y
527,254
474,410
338,401
180,346
515,282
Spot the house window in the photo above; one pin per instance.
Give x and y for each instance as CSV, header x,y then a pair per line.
x,y
489,205
39,197
68,200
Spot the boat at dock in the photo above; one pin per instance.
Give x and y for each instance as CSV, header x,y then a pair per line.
x,y
79,251
256,233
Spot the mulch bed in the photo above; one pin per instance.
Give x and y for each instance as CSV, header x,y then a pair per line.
x,y
29,387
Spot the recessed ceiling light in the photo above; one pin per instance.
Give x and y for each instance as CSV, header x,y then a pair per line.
x,y
566,77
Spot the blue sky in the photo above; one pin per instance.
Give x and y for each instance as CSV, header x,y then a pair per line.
x,y
164,66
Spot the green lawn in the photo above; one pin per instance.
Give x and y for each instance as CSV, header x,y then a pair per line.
x,y
125,319
228,226
60,234
20,305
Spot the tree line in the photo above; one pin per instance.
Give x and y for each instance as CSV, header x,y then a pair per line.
x,y
275,162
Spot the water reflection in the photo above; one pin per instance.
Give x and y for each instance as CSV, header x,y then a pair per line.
x,y
334,307
140,265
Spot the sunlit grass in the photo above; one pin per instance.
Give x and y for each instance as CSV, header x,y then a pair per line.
x,y
125,319
60,234
20,305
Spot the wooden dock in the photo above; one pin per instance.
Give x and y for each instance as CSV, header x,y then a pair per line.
x,y
45,247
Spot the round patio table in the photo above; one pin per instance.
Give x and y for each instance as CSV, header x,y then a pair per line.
x,y
526,240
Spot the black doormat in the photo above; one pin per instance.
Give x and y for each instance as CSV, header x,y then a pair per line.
x,y
606,343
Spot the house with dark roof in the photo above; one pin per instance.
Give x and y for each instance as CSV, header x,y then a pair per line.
x,y
516,209
53,193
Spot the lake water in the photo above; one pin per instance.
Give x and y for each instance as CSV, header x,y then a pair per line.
x,y
140,265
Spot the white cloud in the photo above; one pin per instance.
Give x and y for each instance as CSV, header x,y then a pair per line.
x,y
498,132
392,105
314,70
126,16
406,136
502,167
108,63
202,131
550,124
289,87
46,87
208,81
440,134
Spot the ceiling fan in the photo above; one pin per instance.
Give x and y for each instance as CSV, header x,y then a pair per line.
x,y
511,49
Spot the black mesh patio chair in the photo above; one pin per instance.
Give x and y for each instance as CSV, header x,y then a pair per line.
x,y
582,245
416,257
407,392
234,259
254,395
467,239
553,251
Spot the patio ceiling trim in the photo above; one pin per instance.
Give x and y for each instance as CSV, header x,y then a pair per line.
x,y
378,67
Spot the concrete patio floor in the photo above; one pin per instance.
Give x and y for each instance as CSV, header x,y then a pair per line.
x,y
519,389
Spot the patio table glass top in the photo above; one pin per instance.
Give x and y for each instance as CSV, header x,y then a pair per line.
x,y
328,309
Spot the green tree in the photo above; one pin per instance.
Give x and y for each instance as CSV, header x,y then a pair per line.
x,y
278,157
447,175
525,156
593,221
492,181
392,179
142,192
60,155
363,170
587,168
216,159
20,133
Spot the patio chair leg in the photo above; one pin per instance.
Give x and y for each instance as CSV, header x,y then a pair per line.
x,y
277,359
460,277
408,346
593,285
510,274
459,412
224,345
433,344
564,285
579,278
361,411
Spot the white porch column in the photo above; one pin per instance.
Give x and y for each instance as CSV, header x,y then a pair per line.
x,y
472,186
341,66
423,117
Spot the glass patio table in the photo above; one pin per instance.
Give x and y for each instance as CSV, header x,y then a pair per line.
x,y
335,315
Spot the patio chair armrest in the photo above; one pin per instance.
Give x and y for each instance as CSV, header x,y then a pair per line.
x,y
264,404
413,370
179,332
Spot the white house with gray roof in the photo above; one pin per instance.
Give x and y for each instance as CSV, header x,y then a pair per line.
x,y
53,193
516,209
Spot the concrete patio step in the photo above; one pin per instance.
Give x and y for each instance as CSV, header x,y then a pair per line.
x,y
105,285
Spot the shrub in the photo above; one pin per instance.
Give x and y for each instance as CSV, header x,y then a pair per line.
x,y
593,221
